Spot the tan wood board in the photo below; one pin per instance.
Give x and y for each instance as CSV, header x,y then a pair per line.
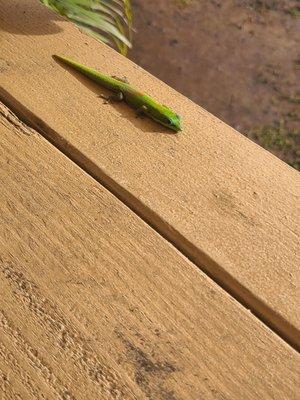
x,y
95,304
227,204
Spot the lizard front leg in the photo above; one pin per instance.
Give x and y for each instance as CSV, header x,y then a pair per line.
x,y
141,111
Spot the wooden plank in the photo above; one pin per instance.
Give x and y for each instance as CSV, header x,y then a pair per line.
x,y
227,204
95,303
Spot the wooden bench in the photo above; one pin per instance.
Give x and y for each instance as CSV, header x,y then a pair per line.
x,y
135,264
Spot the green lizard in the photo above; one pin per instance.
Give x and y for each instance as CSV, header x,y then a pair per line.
x,y
142,103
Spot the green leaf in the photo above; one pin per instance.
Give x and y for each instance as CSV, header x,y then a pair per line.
x,y
107,20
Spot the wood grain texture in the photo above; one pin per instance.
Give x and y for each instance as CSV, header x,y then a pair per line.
x,y
227,204
95,304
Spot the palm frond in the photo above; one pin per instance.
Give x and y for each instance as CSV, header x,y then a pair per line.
x,y
107,20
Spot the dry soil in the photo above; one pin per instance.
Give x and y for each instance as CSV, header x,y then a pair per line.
x,y
239,59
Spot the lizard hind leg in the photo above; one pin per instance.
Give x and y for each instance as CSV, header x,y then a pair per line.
x,y
123,79
118,96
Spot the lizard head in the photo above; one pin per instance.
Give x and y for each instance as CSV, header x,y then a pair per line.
x,y
173,122
168,118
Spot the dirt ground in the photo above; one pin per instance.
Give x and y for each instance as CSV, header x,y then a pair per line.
x,y
239,59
